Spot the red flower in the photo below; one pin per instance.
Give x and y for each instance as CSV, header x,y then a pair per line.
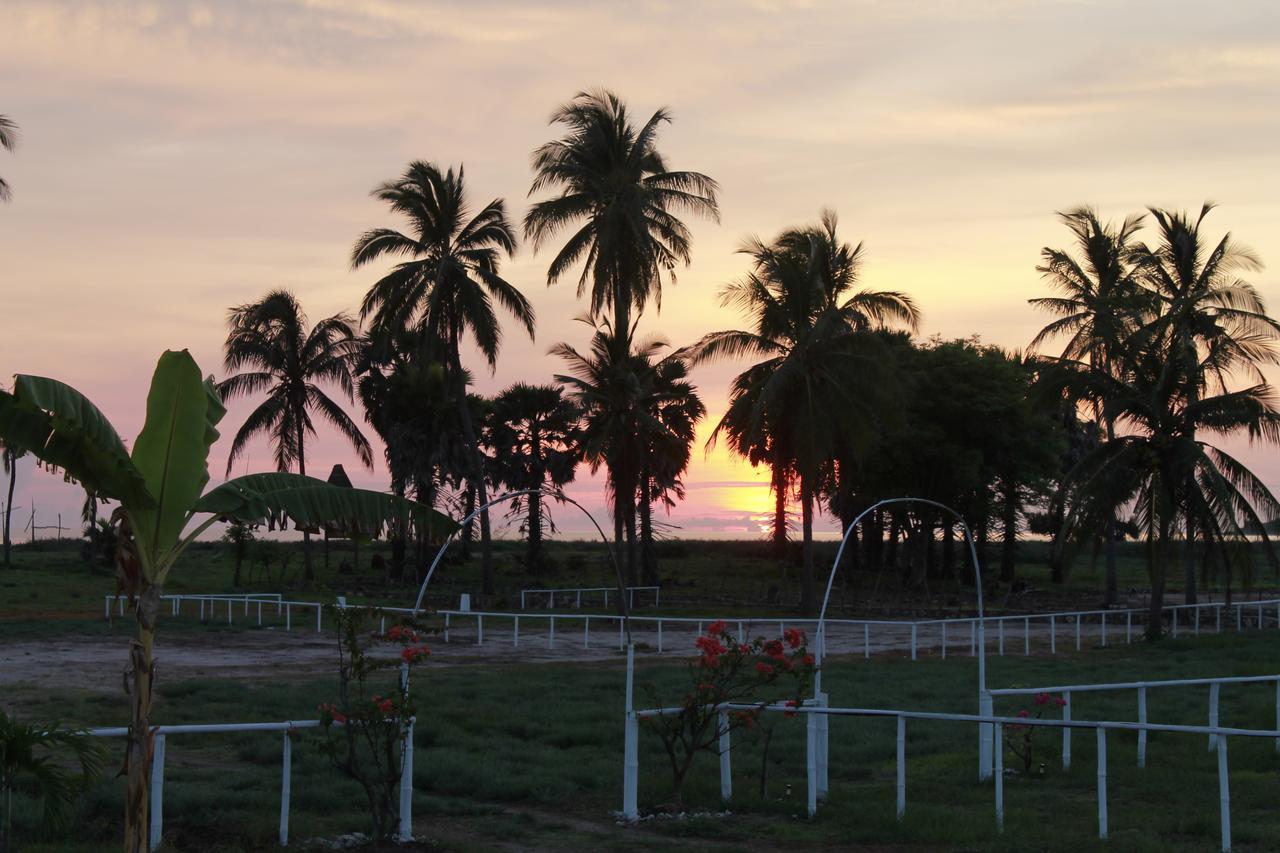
x,y
764,668
1042,699
807,660
1024,713
744,649
791,703
339,718
774,649
716,628
710,646
1061,701
794,637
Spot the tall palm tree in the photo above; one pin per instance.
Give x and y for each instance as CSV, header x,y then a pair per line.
x,y
9,456
1099,304
447,288
616,190
275,352
809,392
8,141
532,431
1214,322
613,387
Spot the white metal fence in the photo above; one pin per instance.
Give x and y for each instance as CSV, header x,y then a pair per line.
x,y
815,765
287,729
1015,634
575,594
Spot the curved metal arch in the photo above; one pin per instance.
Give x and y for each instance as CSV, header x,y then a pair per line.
x,y
557,495
977,578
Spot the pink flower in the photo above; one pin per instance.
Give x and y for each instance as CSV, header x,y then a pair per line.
x,y
764,668
1061,701
1042,699
1024,713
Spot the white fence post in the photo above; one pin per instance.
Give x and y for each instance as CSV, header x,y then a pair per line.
x,y
551,637
1066,732
1214,689
286,783
944,639
913,640
406,784
319,613
986,708
866,641
726,769
811,761
824,747
1000,623
1224,794
1104,629
515,632
157,792
999,770
1077,632
1142,735
1053,635
902,766
1102,782
1026,636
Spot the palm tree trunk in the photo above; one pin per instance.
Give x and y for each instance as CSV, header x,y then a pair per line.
x,y
648,557
534,558
482,493
1009,543
779,535
140,742
1157,552
8,506
1189,560
806,514
308,571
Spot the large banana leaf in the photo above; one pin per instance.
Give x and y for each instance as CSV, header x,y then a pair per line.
x,y
172,451
313,504
60,427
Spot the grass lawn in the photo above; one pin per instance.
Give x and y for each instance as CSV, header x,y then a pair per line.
x,y
525,756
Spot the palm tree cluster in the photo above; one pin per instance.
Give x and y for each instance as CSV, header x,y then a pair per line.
x,y
838,401
1165,345
8,141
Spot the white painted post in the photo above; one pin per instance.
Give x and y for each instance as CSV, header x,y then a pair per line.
x,y
1142,719
742,636
259,613
1000,622
659,636
202,611
228,611
579,604
811,761
973,639
1173,614
319,613
1197,628
1213,712
479,629
120,601
1278,713
1128,627
1104,630
286,782
726,770
866,640
999,780
1026,637
551,637
1077,632
1224,794
986,708
586,632
1053,634
522,599
406,783
1239,619
824,747
902,766
1217,619
606,598
913,641
944,640
1066,732
630,750
515,633
106,607
620,639
551,600
446,627
1102,782
157,792
288,617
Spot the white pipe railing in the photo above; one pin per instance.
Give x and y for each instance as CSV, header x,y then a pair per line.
x,y
576,592
160,733
1100,727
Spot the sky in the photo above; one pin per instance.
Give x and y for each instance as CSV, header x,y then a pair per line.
x,y
180,158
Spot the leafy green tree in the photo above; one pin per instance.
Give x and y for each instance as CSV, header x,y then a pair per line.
x,y
270,345
532,433
37,755
8,141
811,386
446,289
1099,304
616,190
160,491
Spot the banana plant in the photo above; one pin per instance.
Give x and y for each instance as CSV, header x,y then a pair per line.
x,y
163,508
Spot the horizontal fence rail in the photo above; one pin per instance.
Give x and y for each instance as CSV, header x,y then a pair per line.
x,y
813,751
575,593
1013,634
287,728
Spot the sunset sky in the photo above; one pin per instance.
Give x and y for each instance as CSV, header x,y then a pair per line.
x,y
180,158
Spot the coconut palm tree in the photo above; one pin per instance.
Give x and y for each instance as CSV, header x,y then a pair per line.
x,y
616,190
532,433
1214,323
808,393
447,288
275,352
1099,304
9,456
8,141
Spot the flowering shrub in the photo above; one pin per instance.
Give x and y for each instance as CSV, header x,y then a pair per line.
x,y
727,671
365,733
1020,739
